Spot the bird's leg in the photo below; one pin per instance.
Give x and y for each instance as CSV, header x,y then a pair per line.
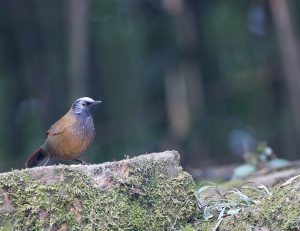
x,y
81,161
47,161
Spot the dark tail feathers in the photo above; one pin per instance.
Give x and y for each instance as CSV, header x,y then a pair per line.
x,y
36,158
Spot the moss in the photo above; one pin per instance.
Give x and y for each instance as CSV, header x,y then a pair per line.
x,y
207,225
283,208
232,184
142,200
279,212
187,228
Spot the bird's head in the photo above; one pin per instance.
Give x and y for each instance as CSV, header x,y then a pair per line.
x,y
84,105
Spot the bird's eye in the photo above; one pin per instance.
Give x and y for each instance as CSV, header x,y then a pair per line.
x,y
84,104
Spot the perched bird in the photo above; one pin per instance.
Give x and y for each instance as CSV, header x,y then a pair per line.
x,y
70,136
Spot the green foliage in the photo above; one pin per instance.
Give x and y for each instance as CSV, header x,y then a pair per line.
x,y
262,157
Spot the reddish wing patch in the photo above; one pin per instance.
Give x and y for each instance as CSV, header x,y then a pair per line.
x,y
64,122
52,131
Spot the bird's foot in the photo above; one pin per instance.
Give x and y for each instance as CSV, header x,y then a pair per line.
x,y
81,162
47,161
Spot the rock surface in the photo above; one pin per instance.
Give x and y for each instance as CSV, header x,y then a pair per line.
x,y
277,210
148,192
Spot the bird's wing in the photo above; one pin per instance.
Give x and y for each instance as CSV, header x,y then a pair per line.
x,y
66,121
54,130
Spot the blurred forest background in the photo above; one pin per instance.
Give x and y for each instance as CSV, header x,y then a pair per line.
x,y
207,78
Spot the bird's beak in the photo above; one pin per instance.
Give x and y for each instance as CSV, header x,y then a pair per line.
x,y
97,102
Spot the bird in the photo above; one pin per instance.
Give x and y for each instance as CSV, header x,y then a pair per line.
x,y
70,136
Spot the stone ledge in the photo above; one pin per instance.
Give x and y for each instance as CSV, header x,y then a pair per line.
x,y
148,192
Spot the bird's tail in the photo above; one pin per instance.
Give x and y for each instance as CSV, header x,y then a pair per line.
x,y
36,158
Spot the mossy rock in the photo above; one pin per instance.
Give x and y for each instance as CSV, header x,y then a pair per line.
x,y
149,192
279,211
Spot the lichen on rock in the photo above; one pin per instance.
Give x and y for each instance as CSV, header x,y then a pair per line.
x,y
279,211
149,192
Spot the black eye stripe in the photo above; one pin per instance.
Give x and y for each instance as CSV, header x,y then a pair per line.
x,y
86,103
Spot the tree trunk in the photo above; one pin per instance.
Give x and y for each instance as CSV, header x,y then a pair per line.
x,y
290,55
78,48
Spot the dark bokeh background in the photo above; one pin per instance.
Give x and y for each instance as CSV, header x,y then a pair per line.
x,y
207,78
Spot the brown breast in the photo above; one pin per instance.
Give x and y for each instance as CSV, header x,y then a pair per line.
x,y
70,137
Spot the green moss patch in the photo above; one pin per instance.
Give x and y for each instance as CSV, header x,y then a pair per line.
x,y
281,212
142,200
